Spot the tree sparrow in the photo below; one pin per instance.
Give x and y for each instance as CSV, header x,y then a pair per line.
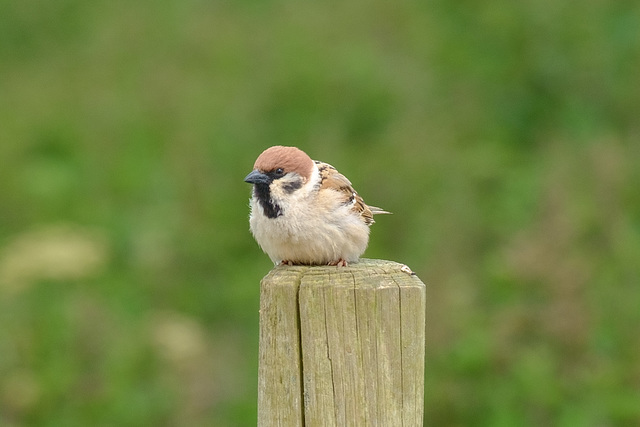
x,y
306,212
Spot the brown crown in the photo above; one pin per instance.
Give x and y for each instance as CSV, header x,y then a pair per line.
x,y
291,159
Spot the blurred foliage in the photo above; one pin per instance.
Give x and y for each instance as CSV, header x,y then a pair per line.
x,y
503,135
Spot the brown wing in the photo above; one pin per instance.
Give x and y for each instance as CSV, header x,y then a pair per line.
x,y
330,178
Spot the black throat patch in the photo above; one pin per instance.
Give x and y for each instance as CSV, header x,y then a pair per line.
x,y
262,193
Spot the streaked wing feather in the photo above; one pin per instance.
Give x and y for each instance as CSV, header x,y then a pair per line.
x,y
332,179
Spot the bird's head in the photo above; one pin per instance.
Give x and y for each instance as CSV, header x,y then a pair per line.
x,y
278,173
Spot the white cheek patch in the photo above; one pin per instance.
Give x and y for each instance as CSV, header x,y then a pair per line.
x,y
287,190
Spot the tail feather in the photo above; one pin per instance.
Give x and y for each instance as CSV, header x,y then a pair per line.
x,y
376,210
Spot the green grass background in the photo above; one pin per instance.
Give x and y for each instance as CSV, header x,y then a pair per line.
x,y
504,136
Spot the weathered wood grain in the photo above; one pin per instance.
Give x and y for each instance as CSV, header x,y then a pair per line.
x,y
342,346
280,369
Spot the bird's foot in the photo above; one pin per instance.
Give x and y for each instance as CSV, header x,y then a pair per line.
x,y
339,263
285,262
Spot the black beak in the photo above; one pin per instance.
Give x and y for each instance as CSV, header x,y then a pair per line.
x,y
257,177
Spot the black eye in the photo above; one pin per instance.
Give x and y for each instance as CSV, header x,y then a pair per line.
x,y
279,171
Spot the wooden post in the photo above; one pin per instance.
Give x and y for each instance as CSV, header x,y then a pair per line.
x,y
342,346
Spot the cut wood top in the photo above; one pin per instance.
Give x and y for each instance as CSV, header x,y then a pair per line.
x,y
366,272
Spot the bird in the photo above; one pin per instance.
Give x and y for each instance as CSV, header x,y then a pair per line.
x,y
305,212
